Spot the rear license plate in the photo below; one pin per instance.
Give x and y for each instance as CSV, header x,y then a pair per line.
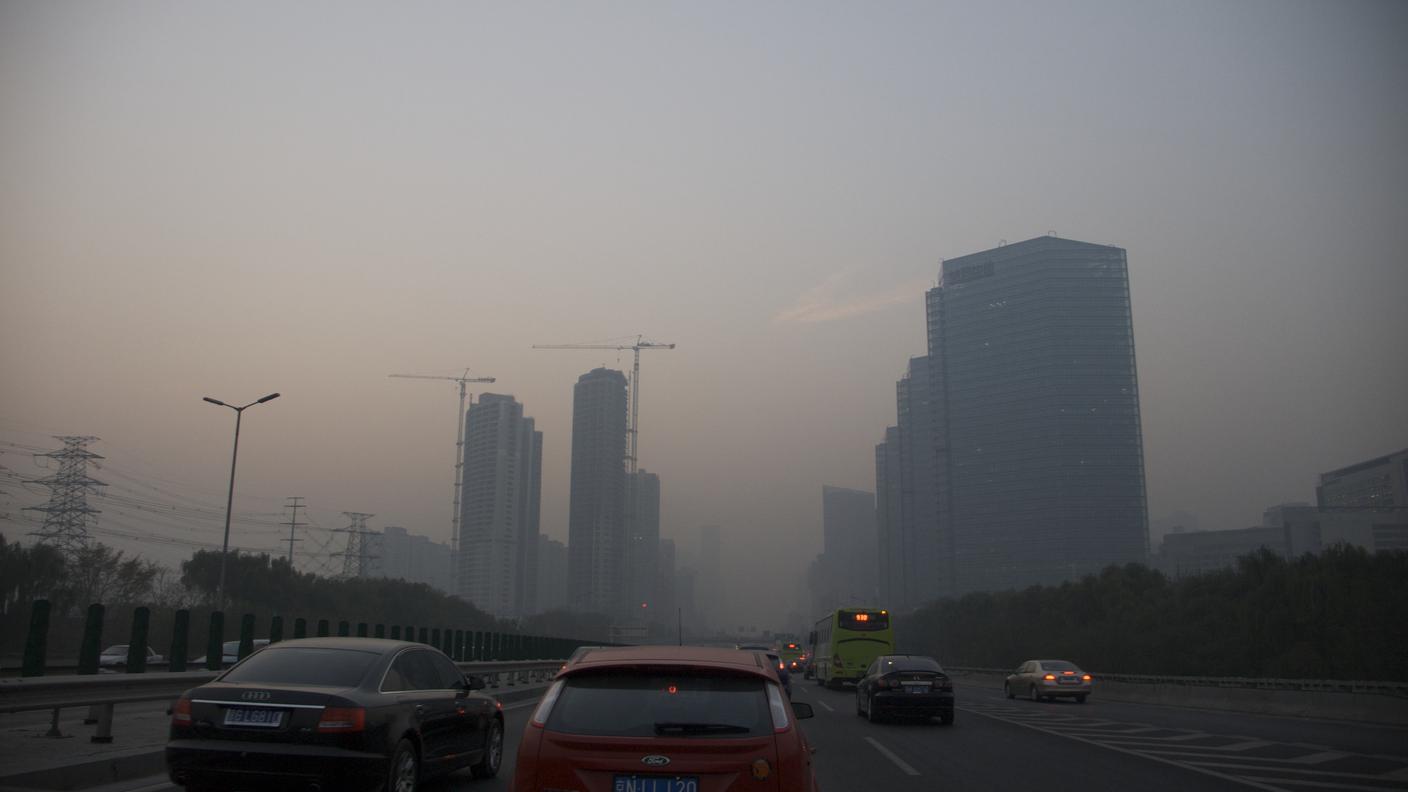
x,y
916,688
631,783
254,716
1070,681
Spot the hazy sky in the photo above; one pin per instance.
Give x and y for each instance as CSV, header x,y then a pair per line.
x,y
236,198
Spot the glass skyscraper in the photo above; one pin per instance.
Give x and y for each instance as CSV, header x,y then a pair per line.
x,y
1039,457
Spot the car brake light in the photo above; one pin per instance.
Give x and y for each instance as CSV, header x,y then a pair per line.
x,y
780,721
181,713
540,714
342,720
1068,673
1049,677
1086,677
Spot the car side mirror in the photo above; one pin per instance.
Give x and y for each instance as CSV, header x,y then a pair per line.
x,y
472,682
802,711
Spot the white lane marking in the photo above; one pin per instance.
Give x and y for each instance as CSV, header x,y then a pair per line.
x,y
1107,746
900,763
824,705
1324,774
520,705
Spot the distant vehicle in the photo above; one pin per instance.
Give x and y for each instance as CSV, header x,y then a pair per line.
x,y
1048,679
905,686
845,642
782,673
230,652
334,714
794,656
116,655
666,719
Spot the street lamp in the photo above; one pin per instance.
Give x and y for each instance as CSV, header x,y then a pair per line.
x,y
230,501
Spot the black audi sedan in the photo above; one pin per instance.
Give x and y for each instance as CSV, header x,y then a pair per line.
x,y
905,686
333,714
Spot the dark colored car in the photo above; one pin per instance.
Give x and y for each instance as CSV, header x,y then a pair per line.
x,y
666,719
911,686
332,714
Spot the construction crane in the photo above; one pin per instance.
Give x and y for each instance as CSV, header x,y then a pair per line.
x,y
634,429
459,449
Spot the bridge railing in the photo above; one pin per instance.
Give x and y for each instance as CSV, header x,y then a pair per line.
x,y
101,694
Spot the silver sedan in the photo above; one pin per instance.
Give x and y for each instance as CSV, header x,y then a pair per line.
x,y
1048,679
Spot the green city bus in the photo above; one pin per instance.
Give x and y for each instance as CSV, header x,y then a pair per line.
x,y
847,641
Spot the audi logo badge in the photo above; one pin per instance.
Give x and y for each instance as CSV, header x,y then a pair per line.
x,y
255,695
655,760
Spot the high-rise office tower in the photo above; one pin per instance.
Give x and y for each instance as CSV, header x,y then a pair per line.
x,y
596,530
643,554
1035,399
499,507
552,574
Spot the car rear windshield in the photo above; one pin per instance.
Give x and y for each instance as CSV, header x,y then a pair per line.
x,y
911,664
1057,665
319,667
662,704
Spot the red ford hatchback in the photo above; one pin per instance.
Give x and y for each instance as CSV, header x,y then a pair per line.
x,y
666,719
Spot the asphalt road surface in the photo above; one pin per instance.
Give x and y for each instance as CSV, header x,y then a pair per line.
x,y
1001,744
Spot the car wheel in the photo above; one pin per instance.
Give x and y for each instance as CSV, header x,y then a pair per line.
x,y
1080,698
488,767
1007,690
404,775
871,714
1033,694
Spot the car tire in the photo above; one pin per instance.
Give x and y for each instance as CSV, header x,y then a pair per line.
x,y
404,772
1080,699
488,766
871,713
1032,694
1007,690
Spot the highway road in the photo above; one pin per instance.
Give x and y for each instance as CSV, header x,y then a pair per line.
x,y
998,744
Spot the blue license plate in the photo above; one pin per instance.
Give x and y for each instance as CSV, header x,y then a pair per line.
x,y
632,783
254,716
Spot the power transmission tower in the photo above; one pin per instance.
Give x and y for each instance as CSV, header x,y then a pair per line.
x,y
67,512
357,558
295,503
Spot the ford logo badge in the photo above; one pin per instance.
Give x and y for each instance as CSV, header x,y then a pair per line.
x,y
255,695
655,760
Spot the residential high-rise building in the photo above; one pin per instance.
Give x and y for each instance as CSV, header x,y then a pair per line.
x,y
552,574
499,507
847,570
596,532
1039,452
406,556
643,554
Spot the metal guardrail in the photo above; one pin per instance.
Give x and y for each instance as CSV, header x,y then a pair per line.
x,y
1399,689
102,692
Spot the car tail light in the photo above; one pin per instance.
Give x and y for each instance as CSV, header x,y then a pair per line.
x,y
342,720
780,721
1086,677
544,708
181,713
1049,677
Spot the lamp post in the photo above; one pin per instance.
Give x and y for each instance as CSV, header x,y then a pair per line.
x,y
230,501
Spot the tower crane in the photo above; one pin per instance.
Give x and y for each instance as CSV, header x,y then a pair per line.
x,y
463,379
634,429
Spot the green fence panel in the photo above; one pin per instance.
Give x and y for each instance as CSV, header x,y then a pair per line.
x,y
276,629
215,641
92,644
246,636
180,641
300,628
323,630
137,646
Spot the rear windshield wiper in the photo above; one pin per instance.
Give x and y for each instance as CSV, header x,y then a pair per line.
x,y
673,727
